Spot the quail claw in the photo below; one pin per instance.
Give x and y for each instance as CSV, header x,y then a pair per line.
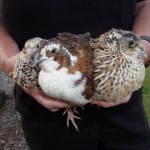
x,y
71,117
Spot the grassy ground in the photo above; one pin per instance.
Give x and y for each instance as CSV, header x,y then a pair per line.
x,y
146,93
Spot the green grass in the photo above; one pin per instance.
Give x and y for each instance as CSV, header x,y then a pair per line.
x,y
146,93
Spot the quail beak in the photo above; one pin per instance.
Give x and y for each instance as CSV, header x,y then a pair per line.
x,y
142,53
38,60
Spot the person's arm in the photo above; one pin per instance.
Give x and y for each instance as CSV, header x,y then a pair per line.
x,y
141,27
142,24
9,53
9,50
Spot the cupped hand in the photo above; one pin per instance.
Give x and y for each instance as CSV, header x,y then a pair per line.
x,y
46,101
108,104
146,46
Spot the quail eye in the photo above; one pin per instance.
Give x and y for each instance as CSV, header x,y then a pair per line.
x,y
53,50
131,44
38,46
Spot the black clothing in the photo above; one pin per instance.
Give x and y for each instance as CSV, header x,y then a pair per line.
x,y
45,18
126,130
30,18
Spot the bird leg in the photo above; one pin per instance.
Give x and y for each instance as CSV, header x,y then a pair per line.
x,y
71,117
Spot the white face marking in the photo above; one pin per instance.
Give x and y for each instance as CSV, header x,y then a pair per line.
x,y
50,47
53,46
50,64
73,59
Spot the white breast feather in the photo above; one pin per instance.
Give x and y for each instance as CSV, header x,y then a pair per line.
x,y
61,85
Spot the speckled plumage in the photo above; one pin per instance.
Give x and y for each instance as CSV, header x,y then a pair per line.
x,y
119,68
25,74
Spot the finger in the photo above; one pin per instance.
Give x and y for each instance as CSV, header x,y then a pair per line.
x,y
46,101
52,103
54,110
107,104
146,46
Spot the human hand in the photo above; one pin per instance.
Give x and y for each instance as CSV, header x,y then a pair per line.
x,y
46,101
146,45
108,104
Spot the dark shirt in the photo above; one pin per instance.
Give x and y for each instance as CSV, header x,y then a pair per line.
x,y
45,18
26,19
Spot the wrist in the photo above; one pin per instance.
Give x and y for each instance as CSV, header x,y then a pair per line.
x,y
8,64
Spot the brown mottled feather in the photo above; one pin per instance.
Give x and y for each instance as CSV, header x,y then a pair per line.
x,y
78,45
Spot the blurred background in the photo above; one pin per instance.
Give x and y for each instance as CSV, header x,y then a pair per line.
x,y
146,93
